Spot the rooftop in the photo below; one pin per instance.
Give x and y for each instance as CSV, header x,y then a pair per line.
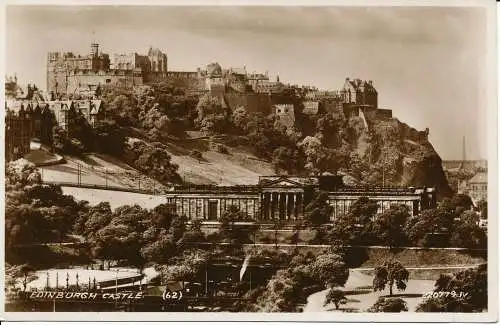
x,y
480,177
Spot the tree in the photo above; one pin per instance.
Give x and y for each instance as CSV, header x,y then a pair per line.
x,y
194,234
240,118
118,242
109,138
469,217
236,234
316,154
154,160
177,227
318,211
431,221
336,296
364,209
461,202
35,212
473,282
187,267
97,217
212,116
159,251
389,226
388,305
390,273
330,270
286,159
354,228
469,236
59,139
162,215
482,206
329,128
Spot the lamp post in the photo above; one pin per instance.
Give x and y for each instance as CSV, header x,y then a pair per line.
x,y
206,278
116,282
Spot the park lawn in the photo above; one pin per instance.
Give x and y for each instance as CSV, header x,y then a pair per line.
x,y
361,297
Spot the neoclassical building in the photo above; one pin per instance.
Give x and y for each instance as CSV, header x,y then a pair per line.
x,y
285,198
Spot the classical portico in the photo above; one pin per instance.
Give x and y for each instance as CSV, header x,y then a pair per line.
x,y
282,204
282,197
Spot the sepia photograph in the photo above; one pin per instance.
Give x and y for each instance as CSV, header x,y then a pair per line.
x,y
250,162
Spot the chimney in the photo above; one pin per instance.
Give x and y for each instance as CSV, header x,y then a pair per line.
x,y
370,82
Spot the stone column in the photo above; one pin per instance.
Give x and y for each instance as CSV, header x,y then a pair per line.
x,y
280,211
298,206
294,206
287,216
271,205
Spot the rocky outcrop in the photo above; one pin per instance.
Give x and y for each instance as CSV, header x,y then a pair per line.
x,y
393,153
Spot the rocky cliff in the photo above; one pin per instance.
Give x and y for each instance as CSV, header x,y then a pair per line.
x,y
387,151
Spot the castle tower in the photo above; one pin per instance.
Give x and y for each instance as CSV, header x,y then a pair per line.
x,y
94,49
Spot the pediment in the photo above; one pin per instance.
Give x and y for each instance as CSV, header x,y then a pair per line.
x,y
281,182
286,184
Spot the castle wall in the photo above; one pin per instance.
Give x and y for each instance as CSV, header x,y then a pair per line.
x,y
119,78
384,113
192,80
57,80
251,102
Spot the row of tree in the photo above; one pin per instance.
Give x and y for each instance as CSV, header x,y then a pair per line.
x,y
451,224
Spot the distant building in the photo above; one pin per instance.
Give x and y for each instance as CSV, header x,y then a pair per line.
x,y
214,80
67,72
157,60
359,92
477,187
310,107
25,121
28,116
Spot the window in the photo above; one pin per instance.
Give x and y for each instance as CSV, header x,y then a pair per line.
x,y
108,81
213,207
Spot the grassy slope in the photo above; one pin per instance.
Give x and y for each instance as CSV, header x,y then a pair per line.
x,y
237,167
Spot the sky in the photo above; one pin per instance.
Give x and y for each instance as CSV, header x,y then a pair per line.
x,y
427,63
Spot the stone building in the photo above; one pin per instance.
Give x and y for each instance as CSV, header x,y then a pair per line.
x,y
59,66
285,198
359,92
214,79
477,187
157,60
25,121
130,61
286,114
67,72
